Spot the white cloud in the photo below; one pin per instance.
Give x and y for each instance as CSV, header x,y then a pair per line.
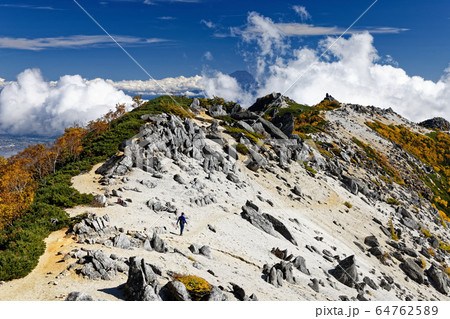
x,y
208,24
301,11
225,86
34,106
351,71
390,60
3,83
28,6
152,2
208,56
264,28
166,18
180,85
31,105
263,31
73,42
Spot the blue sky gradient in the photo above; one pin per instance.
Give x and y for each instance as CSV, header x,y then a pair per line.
x,y
171,38
58,67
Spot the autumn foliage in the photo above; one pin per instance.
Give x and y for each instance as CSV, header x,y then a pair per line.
x,y
17,188
20,173
433,149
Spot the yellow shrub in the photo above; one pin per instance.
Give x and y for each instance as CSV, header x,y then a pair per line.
x,y
197,286
444,246
426,232
447,270
392,229
424,264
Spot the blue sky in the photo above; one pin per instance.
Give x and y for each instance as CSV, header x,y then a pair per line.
x,y
171,38
58,67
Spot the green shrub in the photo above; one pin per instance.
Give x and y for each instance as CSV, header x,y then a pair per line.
x,y
226,118
22,243
393,201
241,148
309,169
235,132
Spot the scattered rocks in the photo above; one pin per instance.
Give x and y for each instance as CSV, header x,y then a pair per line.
x,y
238,292
99,201
206,251
297,191
265,222
142,283
282,254
371,241
176,291
194,248
212,228
97,265
439,279
369,282
276,273
122,241
346,272
158,244
232,177
413,270
314,284
255,217
300,263
180,180
79,296
280,228
216,295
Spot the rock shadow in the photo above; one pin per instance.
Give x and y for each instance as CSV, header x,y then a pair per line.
x,y
117,292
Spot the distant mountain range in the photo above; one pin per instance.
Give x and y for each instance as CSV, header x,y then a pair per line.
x,y
11,145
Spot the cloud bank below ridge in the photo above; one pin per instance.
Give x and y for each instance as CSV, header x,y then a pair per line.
x,y
32,106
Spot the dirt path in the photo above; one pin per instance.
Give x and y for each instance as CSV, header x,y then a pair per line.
x,y
34,286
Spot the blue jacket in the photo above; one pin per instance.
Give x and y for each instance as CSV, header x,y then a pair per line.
x,y
181,220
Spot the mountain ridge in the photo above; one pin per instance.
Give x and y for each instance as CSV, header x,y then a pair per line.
x,y
289,206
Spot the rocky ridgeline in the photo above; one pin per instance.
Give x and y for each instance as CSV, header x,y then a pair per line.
x,y
167,137
436,123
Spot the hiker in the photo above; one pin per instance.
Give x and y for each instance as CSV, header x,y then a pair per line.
x,y
181,220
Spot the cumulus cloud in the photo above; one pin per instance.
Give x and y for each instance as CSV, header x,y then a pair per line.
x,y
33,106
225,86
179,85
351,71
